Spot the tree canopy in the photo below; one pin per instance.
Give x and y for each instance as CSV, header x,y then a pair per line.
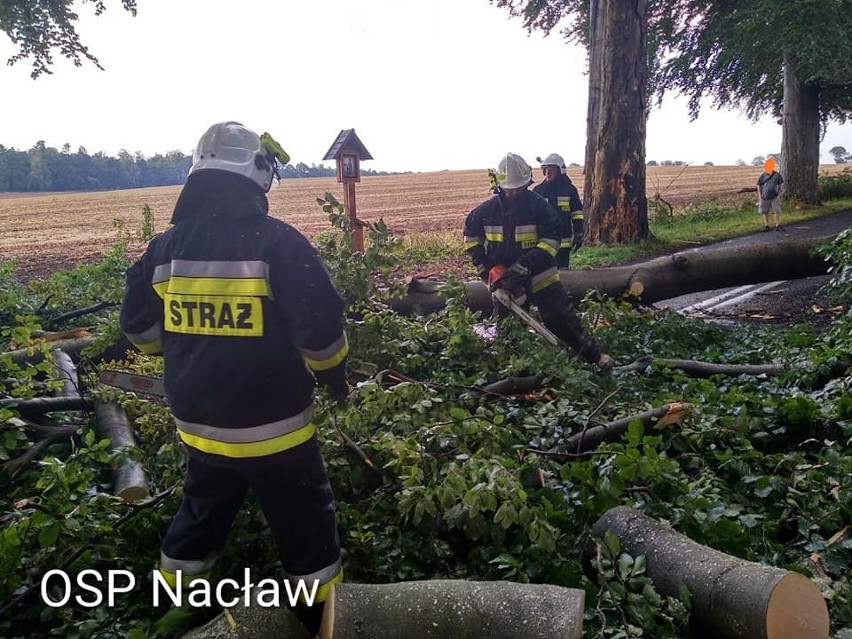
x,y
763,56
734,52
40,27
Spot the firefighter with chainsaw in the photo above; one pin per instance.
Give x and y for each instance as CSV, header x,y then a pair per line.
x,y
242,310
512,239
559,190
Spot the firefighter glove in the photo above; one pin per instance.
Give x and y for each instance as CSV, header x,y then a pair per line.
x,y
339,390
516,277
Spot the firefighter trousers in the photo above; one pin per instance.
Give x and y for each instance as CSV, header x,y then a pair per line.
x,y
559,314
292,489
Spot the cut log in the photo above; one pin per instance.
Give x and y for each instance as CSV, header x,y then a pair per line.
x,y
129,480
731,597
662,278
452,608
593,437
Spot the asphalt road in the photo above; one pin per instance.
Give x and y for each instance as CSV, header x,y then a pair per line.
x,y
783,303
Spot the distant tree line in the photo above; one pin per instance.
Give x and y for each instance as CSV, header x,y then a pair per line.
x,y
45,168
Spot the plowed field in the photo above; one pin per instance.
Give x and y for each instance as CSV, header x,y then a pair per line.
x,y
46,232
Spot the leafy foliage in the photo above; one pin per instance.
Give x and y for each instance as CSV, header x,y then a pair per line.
x,y
474,486
40,26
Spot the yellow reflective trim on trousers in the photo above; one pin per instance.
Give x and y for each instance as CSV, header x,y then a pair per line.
x,y
545,282
331,362
218,286
185,579
577,215
526,237
566,243
249,449
469,245
547,248
324,589
215,315
494,237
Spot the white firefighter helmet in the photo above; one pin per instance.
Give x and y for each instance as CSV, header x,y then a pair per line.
x,y
229,146
554,159
513,172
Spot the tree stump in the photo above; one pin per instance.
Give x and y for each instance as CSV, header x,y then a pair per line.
x,y
731,597
452,608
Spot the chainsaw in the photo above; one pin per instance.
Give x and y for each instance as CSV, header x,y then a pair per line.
x,y
505,298
133,382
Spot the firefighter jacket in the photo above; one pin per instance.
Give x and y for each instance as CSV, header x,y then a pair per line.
x,y
522,229
564,197
243,311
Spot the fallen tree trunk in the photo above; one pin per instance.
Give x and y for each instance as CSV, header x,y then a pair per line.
x,y
658,279
252,622
730,597
452,608
129,480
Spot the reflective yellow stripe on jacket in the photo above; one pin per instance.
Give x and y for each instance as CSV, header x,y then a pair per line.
x,y
215,298
328,357
149,342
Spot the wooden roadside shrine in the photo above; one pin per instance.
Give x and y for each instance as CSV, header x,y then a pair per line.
x,y
348,151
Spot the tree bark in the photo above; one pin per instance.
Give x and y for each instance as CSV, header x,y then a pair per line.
x,y
594,103
730,597
450,608
617,210
658,279
129,480
800,134
252,622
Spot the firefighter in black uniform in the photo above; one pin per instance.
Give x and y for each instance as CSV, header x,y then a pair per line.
x,y
242,310
559,190
512,239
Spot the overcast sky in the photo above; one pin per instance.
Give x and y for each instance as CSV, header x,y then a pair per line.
x,y
426,84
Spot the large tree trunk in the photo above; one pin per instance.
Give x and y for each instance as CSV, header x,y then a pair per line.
x,y
658,279
800,134
730,597
617,211
594,103
453,608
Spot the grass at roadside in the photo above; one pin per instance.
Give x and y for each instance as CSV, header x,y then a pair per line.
x,y
696,224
